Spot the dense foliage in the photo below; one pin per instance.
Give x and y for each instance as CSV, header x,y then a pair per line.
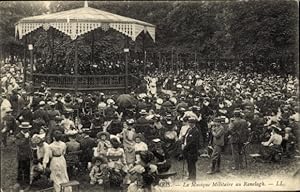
x,y
263,31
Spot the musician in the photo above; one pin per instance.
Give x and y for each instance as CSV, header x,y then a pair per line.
x,y
190,147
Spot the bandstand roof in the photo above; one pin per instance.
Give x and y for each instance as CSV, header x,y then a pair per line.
x,y
79,21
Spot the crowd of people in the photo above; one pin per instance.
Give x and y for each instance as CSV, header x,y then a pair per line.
x,y
130,140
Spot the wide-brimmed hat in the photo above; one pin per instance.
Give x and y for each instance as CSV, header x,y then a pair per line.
x,y
288,129
71,132
99,158
25,125
159,101
103,133
237,111
192,120
110,102
143,112
36,140
42,103
139,135
130,121
51,103
43,83
58,118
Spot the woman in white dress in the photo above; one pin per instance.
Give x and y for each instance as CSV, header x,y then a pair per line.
x,y
58,165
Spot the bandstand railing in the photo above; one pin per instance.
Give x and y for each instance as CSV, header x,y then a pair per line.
x,y
84,82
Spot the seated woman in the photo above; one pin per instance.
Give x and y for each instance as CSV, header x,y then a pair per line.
x,y
117,164
116,156
144,174
99,172
273,145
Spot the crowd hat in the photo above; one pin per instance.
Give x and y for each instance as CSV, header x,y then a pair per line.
x,y
58,118
25,125
42,103
71,132
130,121
192,120
99,158
36,140
43,83
237,111
139,135
51,103
110,102
156,140
103,133
143,112
159,101
288,129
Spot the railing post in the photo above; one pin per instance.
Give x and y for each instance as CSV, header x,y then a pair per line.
x,y
76,65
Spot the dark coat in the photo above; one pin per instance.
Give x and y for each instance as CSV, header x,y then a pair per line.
x,y
237,130
218,133
23,147
190,151
86,145
41,114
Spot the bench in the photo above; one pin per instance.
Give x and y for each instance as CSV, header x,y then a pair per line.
x,y
69,184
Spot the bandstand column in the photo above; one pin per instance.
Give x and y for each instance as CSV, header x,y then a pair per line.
x,y
126,51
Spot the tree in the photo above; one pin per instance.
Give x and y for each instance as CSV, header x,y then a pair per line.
x,y
10,13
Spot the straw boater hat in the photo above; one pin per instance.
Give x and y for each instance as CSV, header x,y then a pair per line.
x,y
42,103
25,125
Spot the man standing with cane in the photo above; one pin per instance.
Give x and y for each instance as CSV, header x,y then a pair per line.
x,y
237,127
24,153
218,133
190,147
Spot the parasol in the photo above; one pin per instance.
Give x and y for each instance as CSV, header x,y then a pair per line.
x,y
125,101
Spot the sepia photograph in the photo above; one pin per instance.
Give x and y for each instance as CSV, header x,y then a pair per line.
x,y
149,96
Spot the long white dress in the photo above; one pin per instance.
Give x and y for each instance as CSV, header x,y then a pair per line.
x,y
58,165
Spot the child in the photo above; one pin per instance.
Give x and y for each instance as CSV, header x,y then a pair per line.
x,y
103,144
99,172
139,146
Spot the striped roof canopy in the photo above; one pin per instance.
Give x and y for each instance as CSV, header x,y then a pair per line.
x,y
79,21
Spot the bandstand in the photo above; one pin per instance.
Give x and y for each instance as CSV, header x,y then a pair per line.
x,y
75,23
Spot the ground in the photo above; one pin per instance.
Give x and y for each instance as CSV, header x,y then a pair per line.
x,y
254,169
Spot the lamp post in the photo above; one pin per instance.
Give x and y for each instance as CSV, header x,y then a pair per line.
x,y
30,48
126,51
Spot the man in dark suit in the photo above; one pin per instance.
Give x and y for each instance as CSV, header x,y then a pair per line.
x,y
218,133
23,153
86,145
41,113
190,147
237,128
